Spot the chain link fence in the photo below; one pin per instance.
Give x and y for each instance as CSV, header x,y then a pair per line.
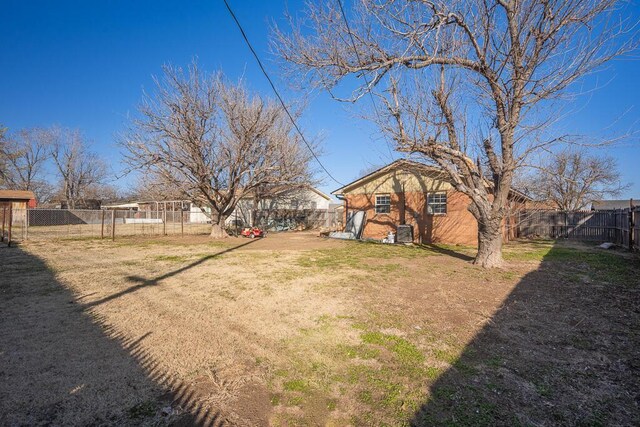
x,y
42,224
39,224
302,219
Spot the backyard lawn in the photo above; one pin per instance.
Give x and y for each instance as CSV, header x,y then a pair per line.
x,y
299,330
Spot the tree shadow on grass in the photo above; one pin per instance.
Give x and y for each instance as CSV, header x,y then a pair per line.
x,y
60,364
443,250
563,349
144,283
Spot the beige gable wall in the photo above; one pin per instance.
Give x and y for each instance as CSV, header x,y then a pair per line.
x,y
394,181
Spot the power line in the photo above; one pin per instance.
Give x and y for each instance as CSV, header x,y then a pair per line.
x,y
284,106
364,75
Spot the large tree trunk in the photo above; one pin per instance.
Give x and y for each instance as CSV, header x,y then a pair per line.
x,y
217,228
489,243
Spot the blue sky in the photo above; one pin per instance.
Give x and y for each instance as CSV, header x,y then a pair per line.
x,y
84,64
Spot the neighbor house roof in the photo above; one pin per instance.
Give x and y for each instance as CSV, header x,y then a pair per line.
x,y
609,205
279,190
16,195
407,164
320,193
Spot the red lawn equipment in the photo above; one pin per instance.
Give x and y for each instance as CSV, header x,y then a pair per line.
x,y
252,232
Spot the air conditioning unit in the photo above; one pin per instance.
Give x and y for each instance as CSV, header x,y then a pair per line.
x,y
404,234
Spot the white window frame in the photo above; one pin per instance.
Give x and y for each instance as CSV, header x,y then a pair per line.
x,y
440,205
386,206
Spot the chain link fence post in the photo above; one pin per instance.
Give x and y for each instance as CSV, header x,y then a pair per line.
x,y
113,225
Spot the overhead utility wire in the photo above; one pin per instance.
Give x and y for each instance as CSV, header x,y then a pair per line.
x,y
284,106
364,75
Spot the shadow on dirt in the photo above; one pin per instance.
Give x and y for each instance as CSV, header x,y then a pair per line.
x,y
60,364
563,349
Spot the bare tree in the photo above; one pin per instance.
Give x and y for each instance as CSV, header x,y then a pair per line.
x,y
148,186
573,179
214,142
25,154
4,167
79,169
445,67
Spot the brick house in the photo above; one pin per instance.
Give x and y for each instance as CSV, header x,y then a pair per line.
x,y
412,193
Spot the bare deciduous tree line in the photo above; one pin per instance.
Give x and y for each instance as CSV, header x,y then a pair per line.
x,y
55,163
470,85
197,137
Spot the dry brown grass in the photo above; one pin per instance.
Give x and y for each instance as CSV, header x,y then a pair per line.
x,y
295,329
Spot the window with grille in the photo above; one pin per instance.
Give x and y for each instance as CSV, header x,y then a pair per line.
x,y
383,203
437,203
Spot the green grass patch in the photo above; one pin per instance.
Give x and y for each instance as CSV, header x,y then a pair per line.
x,y
432,372
447,355
406,352
295,400
358,255
495,362
365,396
142,410
275,399
358,351
297,385
600,265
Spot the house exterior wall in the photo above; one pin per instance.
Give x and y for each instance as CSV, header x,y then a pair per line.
x,y
317,200
457,226
408,192
398,181
197,216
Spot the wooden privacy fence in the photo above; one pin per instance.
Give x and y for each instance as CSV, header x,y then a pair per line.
x,y
621,226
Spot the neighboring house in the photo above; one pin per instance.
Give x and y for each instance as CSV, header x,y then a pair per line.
x,y
610,205
286,201
418,195
296,199
163,205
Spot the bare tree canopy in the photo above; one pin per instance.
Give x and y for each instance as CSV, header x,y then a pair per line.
x,y
573,179
24,156
214,142
149,187
467,84
81,172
